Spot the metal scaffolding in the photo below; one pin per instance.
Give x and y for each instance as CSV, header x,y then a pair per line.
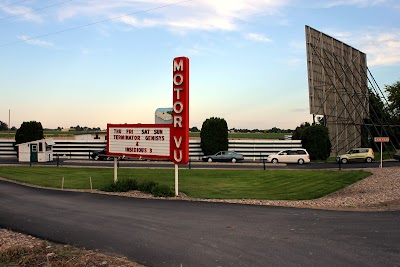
x,y
339,88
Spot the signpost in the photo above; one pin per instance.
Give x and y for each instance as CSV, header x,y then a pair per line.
x,y
180,114
381,140
158,141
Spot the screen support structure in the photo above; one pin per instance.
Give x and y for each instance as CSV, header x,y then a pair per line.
x,y
339,93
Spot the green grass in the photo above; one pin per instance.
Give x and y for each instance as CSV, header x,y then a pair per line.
x,y
222,184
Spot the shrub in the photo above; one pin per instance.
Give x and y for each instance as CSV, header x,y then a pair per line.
x,y
162,190
122,185
147,186
150,187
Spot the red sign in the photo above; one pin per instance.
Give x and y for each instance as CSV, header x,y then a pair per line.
x,y
180,112
381,139
139,140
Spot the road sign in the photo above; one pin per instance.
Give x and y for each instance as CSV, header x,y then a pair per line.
x,y
381,139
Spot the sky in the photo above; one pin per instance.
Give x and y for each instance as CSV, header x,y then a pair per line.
x,y
91,62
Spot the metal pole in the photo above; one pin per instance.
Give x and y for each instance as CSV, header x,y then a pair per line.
x,y
380,166
9,123
115,170
176,179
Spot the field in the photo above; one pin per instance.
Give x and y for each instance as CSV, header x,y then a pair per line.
x,y
222,184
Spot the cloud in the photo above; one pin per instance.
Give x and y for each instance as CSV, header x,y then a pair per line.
x,y
21,12
358,3
33,41
382,46
209,15
258,37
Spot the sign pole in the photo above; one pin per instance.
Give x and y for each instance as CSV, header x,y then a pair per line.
x,y
176,179
380,166
115,170
381,139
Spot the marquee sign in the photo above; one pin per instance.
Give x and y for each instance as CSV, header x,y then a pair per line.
x,y
139,140
180,110
162,141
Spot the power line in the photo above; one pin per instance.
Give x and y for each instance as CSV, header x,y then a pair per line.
x,y
39,9
94,23
13,3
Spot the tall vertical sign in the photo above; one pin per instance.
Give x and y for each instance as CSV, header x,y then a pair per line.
x,y
180,111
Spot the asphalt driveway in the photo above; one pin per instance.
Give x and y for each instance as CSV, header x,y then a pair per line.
x,y
183,233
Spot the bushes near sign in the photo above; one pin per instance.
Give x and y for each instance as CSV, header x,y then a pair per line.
x,y
130,184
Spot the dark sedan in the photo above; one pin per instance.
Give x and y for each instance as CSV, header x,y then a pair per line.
x,y
100,155
397,156
231,156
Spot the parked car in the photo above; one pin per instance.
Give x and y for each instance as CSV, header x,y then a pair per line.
x,y
357,154
397,156
298,155
100,155
231,156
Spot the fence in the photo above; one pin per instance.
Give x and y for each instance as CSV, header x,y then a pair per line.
x,y
252,149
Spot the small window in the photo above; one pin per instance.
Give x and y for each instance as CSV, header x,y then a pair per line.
x,y
301,152
292,152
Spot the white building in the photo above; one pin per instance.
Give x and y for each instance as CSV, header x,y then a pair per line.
x,y
36,151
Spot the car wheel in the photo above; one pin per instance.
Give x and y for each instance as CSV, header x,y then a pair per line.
x,y
301,161
96,157
274,161
233,160
369,160
209,160
344,161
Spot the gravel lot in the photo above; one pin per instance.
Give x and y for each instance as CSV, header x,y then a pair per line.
x,y
378,192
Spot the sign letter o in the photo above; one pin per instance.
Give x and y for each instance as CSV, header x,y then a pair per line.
x,y
180,79
176,104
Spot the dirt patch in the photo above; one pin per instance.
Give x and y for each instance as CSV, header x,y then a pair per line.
x,y
17,249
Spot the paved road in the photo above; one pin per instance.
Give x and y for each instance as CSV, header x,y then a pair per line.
x,y
182,233
248,164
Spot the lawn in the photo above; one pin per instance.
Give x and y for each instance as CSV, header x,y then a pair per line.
x,y
221,184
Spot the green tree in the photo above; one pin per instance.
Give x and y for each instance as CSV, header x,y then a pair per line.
x,y
315,139
296,135
194,130
3,126
29,131
214,136
394,98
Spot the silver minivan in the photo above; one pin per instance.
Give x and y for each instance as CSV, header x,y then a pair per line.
x,y
293,155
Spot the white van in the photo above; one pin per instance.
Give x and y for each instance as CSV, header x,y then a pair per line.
x,y
296,155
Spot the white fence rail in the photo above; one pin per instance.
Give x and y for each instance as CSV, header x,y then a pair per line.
x,y
252,149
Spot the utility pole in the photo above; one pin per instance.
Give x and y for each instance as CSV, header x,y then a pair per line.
x,y
9,120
